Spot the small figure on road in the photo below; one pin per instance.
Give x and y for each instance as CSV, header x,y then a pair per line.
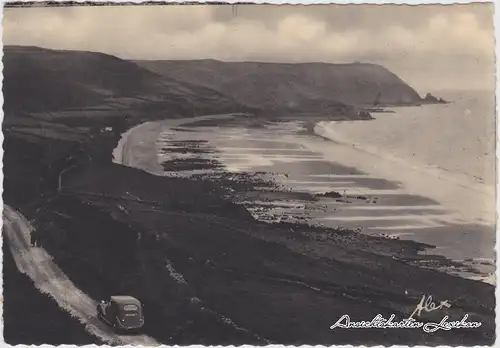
x,y
33,238
39,239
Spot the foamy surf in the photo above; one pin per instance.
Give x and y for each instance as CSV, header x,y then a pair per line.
x,y
379,196
455,192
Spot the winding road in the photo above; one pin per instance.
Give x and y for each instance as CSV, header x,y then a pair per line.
x,y
37,264
48,278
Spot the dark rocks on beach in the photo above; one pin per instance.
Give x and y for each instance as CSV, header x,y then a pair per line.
x,y
190,164
277,261
429,98
185,150
274,270
330,194
364,115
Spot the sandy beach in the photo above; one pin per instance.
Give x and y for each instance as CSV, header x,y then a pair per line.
x,y
420,207
236,175
233,257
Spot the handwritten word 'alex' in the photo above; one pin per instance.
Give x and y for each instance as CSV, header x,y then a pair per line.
x,y
427,305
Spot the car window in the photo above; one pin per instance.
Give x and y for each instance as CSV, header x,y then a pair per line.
x,y
130,307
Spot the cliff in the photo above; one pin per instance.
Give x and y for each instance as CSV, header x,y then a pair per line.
x,y
38,80
270,85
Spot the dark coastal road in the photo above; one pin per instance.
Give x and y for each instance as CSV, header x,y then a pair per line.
x,y
278,292
37,264
49,279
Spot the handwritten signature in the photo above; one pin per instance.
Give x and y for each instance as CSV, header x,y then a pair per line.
x,y
426,304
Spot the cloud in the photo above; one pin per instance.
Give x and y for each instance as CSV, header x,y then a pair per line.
x,y
392,35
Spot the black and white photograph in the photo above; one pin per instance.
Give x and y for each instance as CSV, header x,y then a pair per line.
x,y
248,174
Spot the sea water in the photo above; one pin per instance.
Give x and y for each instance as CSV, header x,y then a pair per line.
x,y
454,141
458,137
443,152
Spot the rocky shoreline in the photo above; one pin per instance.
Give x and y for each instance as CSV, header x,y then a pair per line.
x,y
207,272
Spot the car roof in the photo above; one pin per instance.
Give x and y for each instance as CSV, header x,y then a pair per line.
x,y
125,300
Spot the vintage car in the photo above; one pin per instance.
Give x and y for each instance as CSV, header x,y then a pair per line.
x,y
124,313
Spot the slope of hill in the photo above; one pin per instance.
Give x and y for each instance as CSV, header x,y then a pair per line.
x,y
44,80
274,84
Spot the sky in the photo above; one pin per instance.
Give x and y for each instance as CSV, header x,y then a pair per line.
x,y
431,47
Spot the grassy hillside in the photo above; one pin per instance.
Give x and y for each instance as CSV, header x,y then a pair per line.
x,y
38,80
43,80
296,85
274,281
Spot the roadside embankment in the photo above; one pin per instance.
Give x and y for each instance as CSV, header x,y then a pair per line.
x,y
209,274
